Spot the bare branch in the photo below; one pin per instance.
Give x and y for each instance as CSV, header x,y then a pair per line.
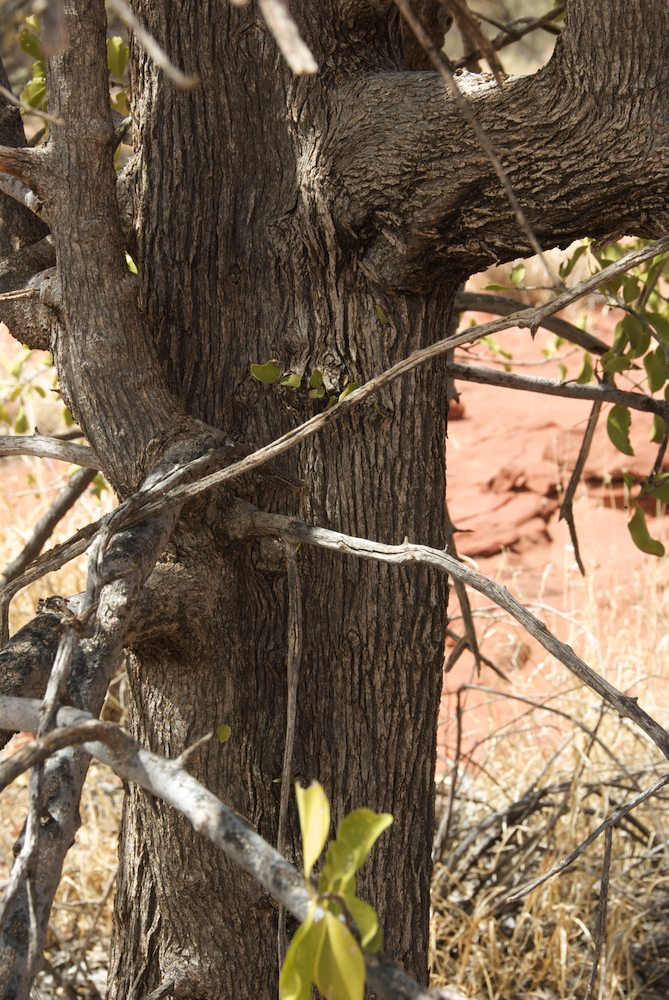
x,y
49,447
169,781
25,196
600,934
602,393
125,12
293,659
609,822
251,520
287,37
511,33
566,508
500,306
43,530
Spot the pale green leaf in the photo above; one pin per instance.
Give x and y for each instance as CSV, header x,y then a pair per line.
x,y
367,923
297,972
268,374
314,812
340,968
357,834
223,733
382,314
351,387
117,57
585,375
659,429
293,380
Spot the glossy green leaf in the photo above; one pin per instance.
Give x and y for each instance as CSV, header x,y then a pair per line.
x,y
293,380
316,379
223,732
117,57
618,427
268,374
339,972
586,372
655,364
638,336
638,529
659,429
314,812
297,972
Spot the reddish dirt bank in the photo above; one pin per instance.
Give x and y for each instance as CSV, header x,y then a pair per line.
x,y
509,457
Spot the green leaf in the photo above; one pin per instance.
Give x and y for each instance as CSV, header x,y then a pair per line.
x,y
660,489
314,812
21,422
660,324
340,968
631,288
357,834
659,429
316,379
29,43
332,401
297,972
223,732
562,368
567,266
268,374
117,57
618,427
655,364
382,314
40,391
638,336
4,416
517,274
293,380
34,92
351,387
317,393
586,371
638,529
496,288
131,264
68,419
612,362
367,923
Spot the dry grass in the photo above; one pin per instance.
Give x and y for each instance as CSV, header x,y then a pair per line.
x,y
531,784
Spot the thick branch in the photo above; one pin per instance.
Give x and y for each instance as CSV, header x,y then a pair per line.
x,y
170,781
585,152
49,447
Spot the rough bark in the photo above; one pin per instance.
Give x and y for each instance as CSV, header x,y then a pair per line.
x,y
327,223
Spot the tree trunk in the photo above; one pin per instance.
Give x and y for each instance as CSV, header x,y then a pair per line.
x,y
240,261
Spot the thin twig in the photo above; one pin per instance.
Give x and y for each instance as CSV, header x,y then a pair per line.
x,y
600,934
41,446
125,12
288,528
510,34
610,821
293,660
28,108
44,528
567,506
602,393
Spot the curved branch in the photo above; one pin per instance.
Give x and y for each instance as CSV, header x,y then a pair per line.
x,y
41,446
170,781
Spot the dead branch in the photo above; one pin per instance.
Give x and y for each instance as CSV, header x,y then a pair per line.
x,y
48,447
170,781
